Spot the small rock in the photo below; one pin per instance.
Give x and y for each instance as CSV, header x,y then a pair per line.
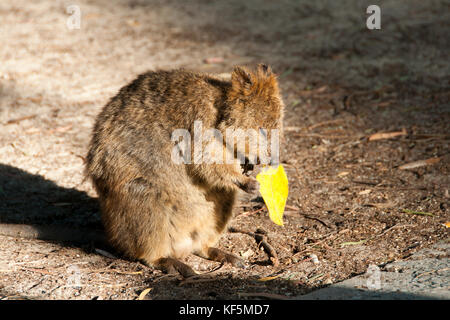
x,y
314,258
247,253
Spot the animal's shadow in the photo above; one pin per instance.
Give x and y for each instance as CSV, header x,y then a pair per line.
x,y
30,199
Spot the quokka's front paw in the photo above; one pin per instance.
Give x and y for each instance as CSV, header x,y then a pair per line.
x,y
251,185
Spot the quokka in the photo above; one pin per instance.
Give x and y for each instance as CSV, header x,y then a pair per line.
x,y
159,211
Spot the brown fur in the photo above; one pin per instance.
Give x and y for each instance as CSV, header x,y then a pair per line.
x,y
159,211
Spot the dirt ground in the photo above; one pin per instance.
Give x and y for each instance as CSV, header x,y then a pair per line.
x,y
352,202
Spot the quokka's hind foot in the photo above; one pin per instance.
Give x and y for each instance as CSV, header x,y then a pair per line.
x,y
218,255
174,266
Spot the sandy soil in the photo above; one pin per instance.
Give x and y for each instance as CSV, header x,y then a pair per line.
x,y
351,203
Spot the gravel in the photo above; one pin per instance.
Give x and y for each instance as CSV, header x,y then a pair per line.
x,y
425,275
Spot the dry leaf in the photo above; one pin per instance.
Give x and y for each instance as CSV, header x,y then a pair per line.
x,y
144,293
420,163
387,135
367,191
447,224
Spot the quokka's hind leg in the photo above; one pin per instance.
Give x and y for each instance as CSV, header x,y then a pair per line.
x,y
174,266
218,255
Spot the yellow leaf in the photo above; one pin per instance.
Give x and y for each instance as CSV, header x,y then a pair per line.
x,y
447,224
274,190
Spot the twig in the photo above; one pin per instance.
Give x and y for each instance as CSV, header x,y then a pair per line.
x,y
373,237
106,285
273,257
261,240
354,243
394,227
249,213
367,182
323,136
317,276
293,128
42,271
12,121
316,219
418,212
387,135
325,238
297,210
324,123
420,163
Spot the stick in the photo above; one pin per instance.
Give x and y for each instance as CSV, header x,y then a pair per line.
x,y
323,136
261,240
420,163
21,119
324,123
387,135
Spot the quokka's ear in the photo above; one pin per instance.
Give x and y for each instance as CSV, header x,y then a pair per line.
x,y
246,84
241,77
264,69
265,83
